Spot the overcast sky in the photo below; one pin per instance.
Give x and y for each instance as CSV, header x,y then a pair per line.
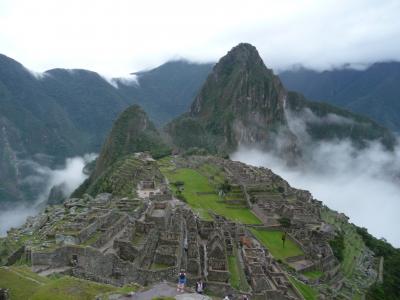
x,y
117,37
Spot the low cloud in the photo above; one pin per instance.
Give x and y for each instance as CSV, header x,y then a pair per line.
x,y
364,184
68,177
14,217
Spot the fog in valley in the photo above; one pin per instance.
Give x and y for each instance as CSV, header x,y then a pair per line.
x,y
68,177
364,184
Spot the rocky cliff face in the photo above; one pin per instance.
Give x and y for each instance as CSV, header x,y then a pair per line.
x,y
241,102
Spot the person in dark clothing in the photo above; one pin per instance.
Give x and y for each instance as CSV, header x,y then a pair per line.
x,y
181,281
200,286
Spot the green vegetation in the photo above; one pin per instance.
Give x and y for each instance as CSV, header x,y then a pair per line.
x,y
12,242
355,239
352,242
359,129
373,92
27,285
70,288
308,292
285,222
210,124
163,298
132,132
313,274
119,179
390,288
22,284
272,240
337,245
200,194
238,278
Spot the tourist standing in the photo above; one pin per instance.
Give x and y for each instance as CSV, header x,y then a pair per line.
x,y
283,238
200,286
181,281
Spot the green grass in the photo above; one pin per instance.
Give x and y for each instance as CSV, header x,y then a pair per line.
x,y
69,288
27,285
353,243
210,170
196,182
20,285
233,270
272,240
308,292
238,278
313,274
357,296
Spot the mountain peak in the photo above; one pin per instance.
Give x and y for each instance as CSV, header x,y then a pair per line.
x,y
132,132
240,77
243,57
242,101
243,52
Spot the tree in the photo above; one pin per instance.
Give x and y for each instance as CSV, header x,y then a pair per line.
x,y
285,222
224,188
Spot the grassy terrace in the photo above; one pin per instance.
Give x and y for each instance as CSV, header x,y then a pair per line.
x,y
238,278
272,240
308,292
197,183
36,287
313,274
353,242
201,194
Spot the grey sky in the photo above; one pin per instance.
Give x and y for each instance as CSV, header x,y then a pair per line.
x,y
120,36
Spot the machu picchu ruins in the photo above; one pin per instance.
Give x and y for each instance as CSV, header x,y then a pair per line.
x,y
150,235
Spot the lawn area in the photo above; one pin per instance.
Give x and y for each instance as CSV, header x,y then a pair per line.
x,y
238,278
313,274
272,240
20,282
195,183
69,288
27,285
308,292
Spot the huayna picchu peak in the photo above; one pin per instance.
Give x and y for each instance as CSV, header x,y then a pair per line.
x,y
242,102
166,206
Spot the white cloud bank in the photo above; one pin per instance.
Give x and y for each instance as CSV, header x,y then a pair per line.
x,y
364,184
121,36
70,177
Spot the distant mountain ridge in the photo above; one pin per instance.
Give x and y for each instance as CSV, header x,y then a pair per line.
x,y
374,92
61,113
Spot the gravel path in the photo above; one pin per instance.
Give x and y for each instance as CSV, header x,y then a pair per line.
x,y
162,290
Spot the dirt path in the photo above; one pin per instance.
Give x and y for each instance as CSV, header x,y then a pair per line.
x,y
162,290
